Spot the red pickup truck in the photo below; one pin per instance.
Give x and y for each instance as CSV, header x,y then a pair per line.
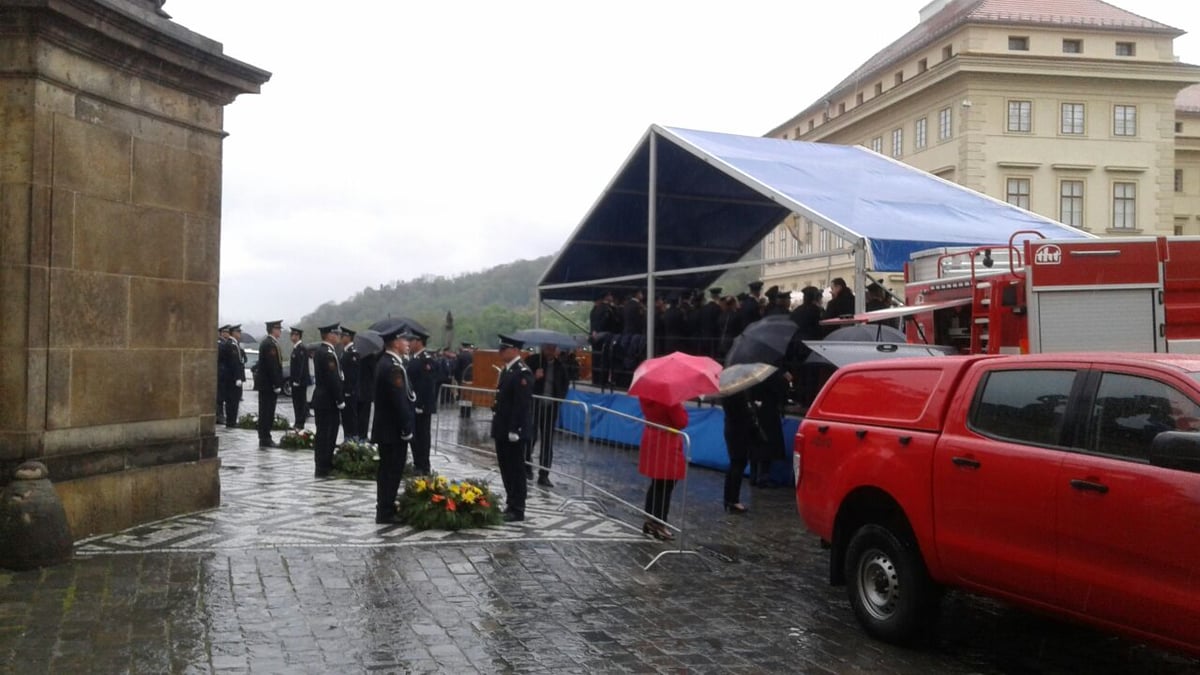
x,y
1068,483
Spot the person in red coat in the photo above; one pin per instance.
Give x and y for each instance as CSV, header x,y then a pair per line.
x,y
661,460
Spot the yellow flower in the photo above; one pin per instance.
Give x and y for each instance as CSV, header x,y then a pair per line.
x,y
420,485
455,489
468,497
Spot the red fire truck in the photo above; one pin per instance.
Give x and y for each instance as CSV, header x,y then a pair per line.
x,y
1139,294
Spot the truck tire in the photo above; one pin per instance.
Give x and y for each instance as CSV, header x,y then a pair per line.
x,y
888,585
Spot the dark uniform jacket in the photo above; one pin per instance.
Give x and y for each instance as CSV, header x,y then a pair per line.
x,y
366,377
422,377
513,411
328,392
748,313
269,373
229,361
350,373
633,320
710,328
463,366
394,417
298,366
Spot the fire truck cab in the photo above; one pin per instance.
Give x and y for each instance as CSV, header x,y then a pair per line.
x,y
1137,294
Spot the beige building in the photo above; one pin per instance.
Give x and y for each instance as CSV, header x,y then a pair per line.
x,y
1076,110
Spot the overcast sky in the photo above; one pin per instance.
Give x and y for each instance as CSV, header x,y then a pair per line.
x,y
401,139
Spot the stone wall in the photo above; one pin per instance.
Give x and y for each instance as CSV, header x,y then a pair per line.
x,y
111,124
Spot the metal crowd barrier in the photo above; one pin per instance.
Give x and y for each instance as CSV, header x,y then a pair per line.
x,y
574,456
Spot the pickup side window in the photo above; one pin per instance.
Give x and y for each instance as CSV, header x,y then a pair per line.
x,y
1129,411
1026,406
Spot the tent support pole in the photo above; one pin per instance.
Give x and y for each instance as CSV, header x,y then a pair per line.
x,y
537,310
651,243
860,273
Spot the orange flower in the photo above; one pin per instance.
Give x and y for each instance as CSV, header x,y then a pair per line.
x,y
450,505
484,503
437,498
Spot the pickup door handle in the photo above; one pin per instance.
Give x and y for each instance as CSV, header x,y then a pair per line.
x,y
1088,486
823,428
905,440
861,433
966,462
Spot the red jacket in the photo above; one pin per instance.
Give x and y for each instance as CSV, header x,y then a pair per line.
x,y
661,453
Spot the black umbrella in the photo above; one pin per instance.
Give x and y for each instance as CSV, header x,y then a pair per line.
x,y
247,339
764,341
393,322
545,336
367,342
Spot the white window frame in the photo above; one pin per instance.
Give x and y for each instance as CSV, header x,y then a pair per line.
x,y
1124,120
920,129
898,142
945,124
1023,117
1076,124
1017,197
1070,205
1124,200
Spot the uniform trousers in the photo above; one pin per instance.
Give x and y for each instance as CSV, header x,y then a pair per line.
x,y
392,457
326,439
364,418
350,419
546,414
511,458
233,398
300,406
266,414
421,443
738,457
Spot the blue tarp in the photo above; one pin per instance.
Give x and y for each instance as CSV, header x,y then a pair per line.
x,y
705,429
718,195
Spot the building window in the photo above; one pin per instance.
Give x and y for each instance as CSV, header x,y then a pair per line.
x,y
842,108
858,99
1126,49
897,142
947,52
1072,118
1179,127
919,134
812,124
922,66
945,126
1020,115
1125,120
878,88
1124,206
1018,43
1016,192
1070,203
1179,180
1072,46
771,244
877,144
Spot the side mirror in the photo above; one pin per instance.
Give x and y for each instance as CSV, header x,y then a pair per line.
x,y
1176,450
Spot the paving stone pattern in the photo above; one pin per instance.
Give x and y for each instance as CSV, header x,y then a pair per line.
x,y
291,575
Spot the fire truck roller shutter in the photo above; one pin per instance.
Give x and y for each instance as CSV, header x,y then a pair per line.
x,y
1098,320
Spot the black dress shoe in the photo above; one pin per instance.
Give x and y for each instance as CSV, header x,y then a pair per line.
x,y
544,481
513,517
386,520
321,474
268,444
736,508
230,426
529,473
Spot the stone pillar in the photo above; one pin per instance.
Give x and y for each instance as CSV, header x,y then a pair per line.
x,y
111,123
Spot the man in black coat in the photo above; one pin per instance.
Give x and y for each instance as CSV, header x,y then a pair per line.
x,y
394,422
222,385
298,375
327,399
710,328
550,381
422,377
512,425
366,392
841,305
231,371
602,323
268,380
350,383
751,309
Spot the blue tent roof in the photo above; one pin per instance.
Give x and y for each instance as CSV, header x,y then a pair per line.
x,y
718,195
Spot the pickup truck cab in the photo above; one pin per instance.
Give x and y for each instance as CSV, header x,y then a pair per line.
x,y
1067,483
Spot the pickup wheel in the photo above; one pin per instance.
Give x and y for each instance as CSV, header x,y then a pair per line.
x,y
889,588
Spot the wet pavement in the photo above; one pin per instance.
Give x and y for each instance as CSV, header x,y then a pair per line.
x,y
291,575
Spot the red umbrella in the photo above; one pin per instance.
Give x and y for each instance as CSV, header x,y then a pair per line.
x,y
675,378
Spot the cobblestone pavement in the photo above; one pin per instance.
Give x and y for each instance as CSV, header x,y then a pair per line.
x,y
291,575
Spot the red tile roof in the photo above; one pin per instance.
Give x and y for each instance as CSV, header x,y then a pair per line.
x,y
1093,14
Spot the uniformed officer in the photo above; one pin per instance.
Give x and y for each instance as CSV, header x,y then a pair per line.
x,y
268,380
512,425
222,375
710,329
233,364
350,382
751,309
299,375
423,379
327,399
394,422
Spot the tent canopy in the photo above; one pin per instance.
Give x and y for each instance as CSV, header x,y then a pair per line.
x,y
718,195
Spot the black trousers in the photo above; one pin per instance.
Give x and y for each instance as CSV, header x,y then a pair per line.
x,y
364,420
392,457
350,419
658,497
737,468
546,414
421,443
300,406
326,439
266,414
511,458
233,398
